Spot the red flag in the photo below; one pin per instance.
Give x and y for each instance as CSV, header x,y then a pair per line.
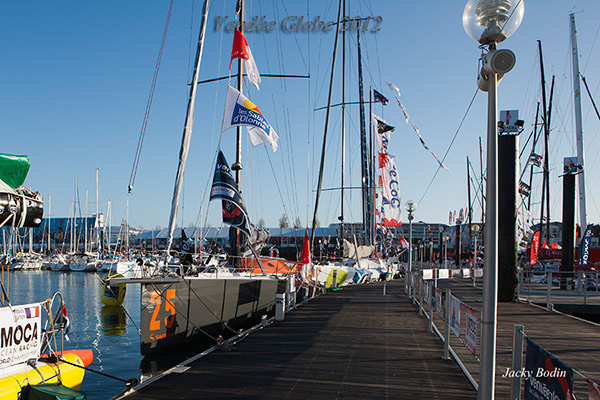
x,y
545,245
535,245
240,49
403,242
305,257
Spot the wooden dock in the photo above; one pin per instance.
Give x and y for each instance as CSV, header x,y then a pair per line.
x,y
354,343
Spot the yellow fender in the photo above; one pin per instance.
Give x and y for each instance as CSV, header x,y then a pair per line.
x,y
69,375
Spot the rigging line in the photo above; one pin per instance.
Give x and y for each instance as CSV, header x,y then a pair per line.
x,y
276,181
138,152
450,145
590,95
591,49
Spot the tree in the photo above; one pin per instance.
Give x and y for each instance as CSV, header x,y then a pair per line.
x,y
284,222
297,223
261,224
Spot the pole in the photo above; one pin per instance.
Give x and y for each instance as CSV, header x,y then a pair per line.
x,y
578,127
490,274
341,218
410,243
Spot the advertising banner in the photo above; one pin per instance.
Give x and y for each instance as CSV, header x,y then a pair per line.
x,y
20,332
548,377
471,329
455,316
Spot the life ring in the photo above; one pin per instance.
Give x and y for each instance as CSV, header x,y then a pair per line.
x,y
112,295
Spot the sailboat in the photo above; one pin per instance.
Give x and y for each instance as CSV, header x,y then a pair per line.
x,y
177,309
352,263
32,333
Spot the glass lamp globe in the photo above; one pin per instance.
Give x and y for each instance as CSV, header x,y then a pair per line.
x,y
492,21
410,206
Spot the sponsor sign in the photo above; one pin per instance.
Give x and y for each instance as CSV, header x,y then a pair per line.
x,y
471,329
455,316
437,302
510,118
20,332
548,378
570,165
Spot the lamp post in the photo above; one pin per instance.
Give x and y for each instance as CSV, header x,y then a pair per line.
x,y
489,22
410,206
475,229
430,260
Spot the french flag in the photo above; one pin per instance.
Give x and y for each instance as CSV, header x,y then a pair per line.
x,y
32,312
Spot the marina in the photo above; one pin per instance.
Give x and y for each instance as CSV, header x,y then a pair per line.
x,y
288,114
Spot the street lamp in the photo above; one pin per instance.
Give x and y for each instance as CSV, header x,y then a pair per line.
x,y
410,206
431,262
490,22
446,239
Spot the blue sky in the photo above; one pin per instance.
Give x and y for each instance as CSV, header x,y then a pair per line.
x,y
75,80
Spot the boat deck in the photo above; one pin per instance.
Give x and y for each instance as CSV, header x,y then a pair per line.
x,y
354,343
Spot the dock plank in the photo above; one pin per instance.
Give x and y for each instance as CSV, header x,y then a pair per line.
x,y
351,344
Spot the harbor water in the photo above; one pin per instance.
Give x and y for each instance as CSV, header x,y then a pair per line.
x,y
110,332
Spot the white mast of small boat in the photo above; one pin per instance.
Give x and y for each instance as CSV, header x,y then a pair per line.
x,y
49,213
96,222
578,128
85,235
187,130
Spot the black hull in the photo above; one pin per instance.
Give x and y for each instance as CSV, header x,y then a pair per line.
x,y
174,313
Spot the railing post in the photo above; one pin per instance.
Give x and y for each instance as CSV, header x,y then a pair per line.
x,y
413,286
421,295
448,321
548,291
430,329
521,272
517,362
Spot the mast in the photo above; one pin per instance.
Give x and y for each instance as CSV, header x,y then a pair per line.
x,y
578,128
187,130
364,151
96,222
546,134
341,218
535,133
548,163
328,112
481,182
469,211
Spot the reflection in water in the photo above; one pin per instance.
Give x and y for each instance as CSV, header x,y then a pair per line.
x,y
113,321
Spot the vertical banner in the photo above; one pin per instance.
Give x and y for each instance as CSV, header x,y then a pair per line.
x,y
535,246
471,329
584,247
455,316
549,378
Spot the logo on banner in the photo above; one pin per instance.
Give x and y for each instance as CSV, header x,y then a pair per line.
x,y
471,333
455,316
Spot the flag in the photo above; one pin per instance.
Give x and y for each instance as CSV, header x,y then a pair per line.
x,y
584,247
225,188
555,246
379,98
64,319
535,159
305,257
535,245
394,88
240,49
545,245
240,111
524,189
382,133
185,255
403,242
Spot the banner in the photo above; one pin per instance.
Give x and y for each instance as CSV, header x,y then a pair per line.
x,y
471,329
20,330
240,111
390,200
535,159
455,316
594,390
535,245
584,247
225,188
379,98
524,189
548,377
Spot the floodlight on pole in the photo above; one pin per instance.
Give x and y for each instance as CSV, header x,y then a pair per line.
x,y
489,22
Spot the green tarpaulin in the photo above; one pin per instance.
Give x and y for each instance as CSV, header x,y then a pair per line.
x,y
53,391
13,169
